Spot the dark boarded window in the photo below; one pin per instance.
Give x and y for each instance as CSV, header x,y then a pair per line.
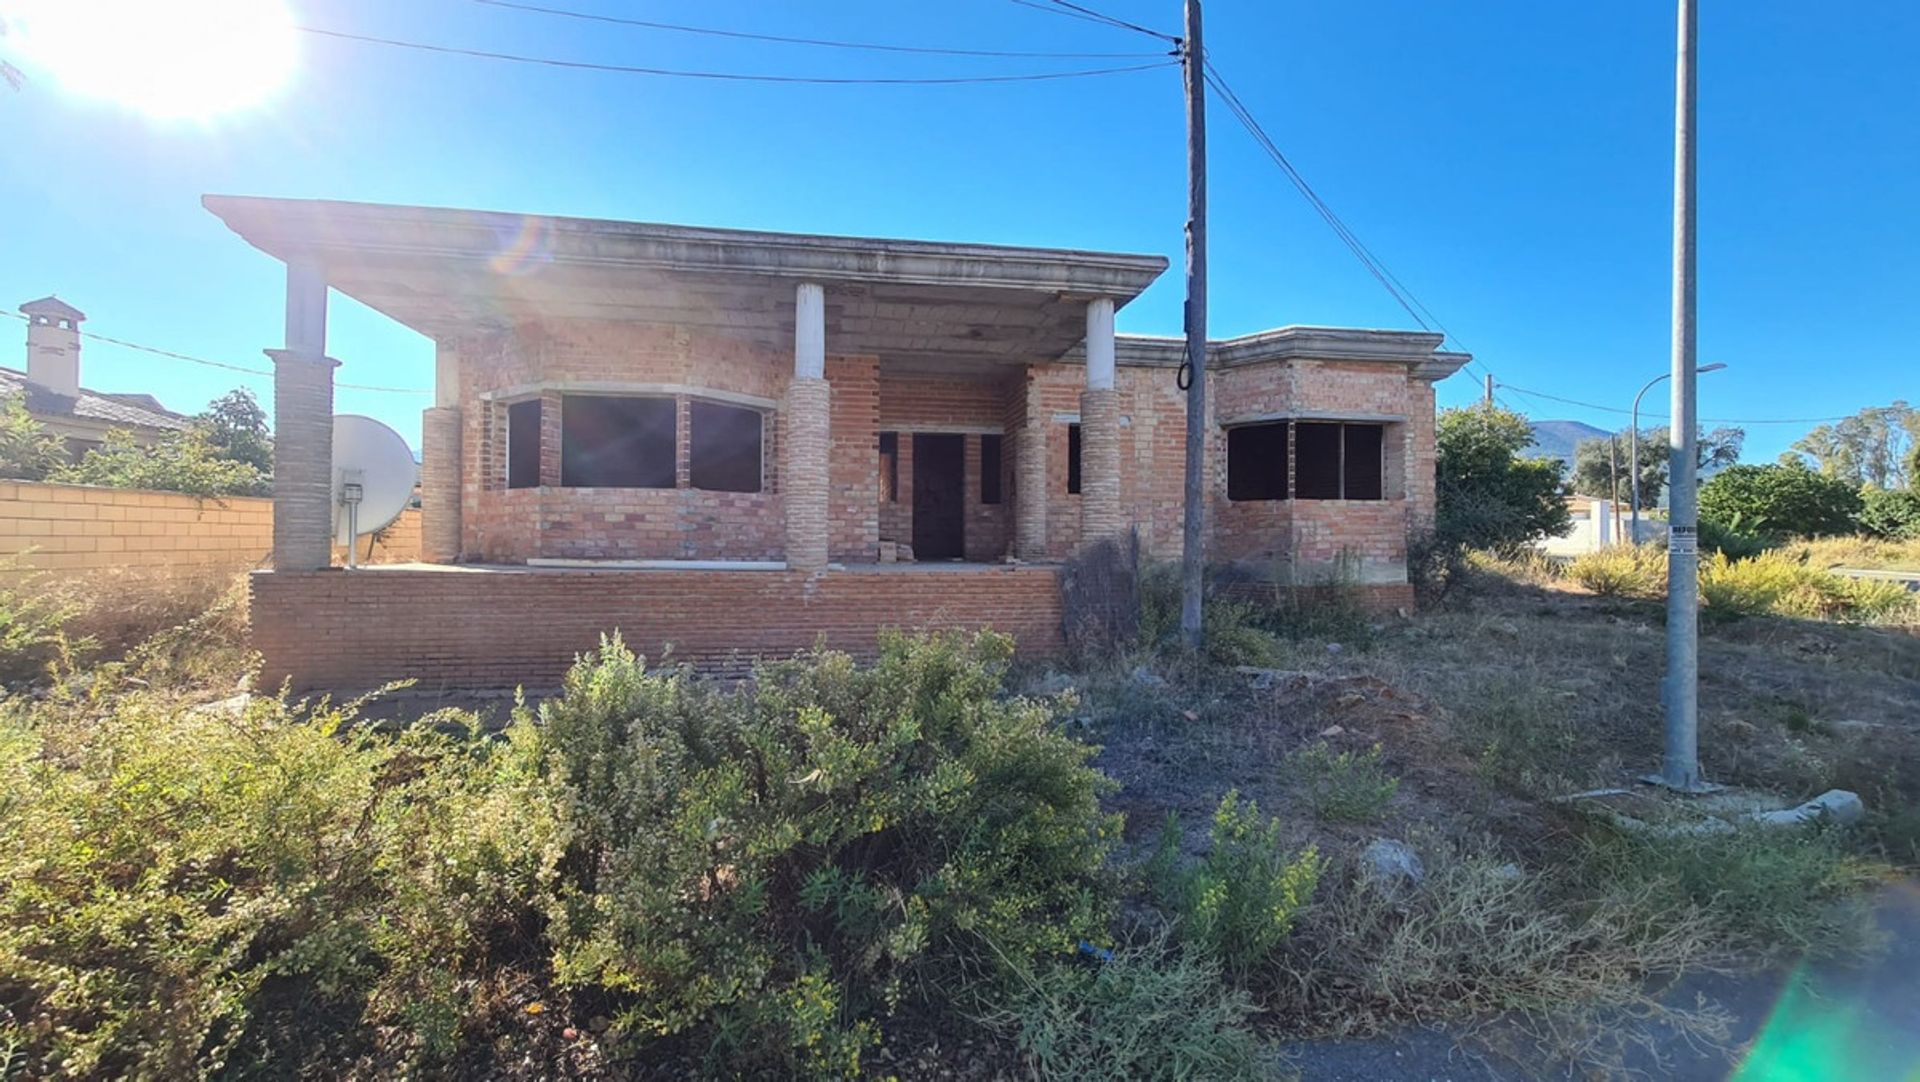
x,y
1257,462
1073,460
890,467
723,447
523,444
990,469
1362,472
609,442
1316,465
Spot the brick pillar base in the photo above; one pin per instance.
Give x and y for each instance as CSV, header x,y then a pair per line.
x,y
440,485
803,479
302,460
1100,515
1030,494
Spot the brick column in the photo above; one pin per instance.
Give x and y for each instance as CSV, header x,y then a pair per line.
x,y
1030,470
302,460
806,439
440,485
1100,515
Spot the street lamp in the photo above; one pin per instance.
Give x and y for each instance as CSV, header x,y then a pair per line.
x,y
1633,450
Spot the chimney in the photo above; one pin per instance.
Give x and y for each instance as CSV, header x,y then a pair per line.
x,y
53,344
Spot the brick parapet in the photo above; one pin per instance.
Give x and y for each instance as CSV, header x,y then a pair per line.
x,y
339,630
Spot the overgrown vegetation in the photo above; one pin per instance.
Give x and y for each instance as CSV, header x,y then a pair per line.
x,y
1342,787
1238,902
1781,582
1780,501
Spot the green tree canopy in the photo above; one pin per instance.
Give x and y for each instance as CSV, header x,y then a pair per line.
x,y
1490,496
27,450
184,461
1785,500
1593,462
235,424
1879,446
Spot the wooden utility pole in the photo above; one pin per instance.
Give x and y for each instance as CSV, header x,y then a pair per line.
x,y
1193,534
1489,390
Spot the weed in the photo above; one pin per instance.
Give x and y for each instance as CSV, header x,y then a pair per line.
x,y
1763,889
1238,903
1523,736
1349,787
1148,1012
1779,584
1483,936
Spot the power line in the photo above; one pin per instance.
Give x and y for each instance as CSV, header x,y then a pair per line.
x,y
727,76
1651,413
1075,11
171,355
822,42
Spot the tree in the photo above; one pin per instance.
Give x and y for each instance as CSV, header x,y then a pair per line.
x,y
236,427
1879,446
1490,496
27,450
1593,470
184,461
1780,501
1891,512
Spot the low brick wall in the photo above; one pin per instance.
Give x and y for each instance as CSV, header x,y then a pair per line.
x,y
82,528
498,627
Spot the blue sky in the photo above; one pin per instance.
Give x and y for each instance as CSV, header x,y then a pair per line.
x,y
1510,161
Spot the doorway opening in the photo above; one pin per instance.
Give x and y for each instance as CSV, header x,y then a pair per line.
x,y
939,496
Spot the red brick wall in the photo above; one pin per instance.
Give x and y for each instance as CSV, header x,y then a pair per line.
x,y
344,631
505,525
910,404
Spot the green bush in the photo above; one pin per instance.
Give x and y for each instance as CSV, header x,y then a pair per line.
x,y
764,873
1237,903
1487,495
1145,1013
1350,787
33,621
1734,544
167,867
1622,571
1779,501
1891,513
1232,632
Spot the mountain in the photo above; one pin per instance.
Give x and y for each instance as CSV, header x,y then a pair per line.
x,y
1557,439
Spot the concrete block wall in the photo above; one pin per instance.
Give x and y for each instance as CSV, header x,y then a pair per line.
x,y
450,627
82,528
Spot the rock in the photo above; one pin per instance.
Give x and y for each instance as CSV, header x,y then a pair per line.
x,y
1147,678
1332,730
1509,871
1334,648
1833,806
1391,864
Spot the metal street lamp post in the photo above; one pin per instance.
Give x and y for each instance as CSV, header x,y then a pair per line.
x,y
1633,453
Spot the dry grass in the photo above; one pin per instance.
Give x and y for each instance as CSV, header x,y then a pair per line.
x,y
190,622
1857,552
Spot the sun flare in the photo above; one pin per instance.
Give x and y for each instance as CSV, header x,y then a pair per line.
x,y
178,59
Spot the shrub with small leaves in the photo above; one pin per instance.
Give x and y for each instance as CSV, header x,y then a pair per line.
x,y
758,876
1237,903
1349,787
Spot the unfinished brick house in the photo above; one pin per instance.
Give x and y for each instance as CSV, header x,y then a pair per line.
x,y
734,441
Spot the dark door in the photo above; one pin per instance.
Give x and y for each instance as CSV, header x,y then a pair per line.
x,y
939,496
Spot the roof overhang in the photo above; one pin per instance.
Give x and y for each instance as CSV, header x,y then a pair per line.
x,y
1418,351
447,272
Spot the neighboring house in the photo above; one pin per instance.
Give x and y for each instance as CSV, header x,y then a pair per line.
x,y
51,387
719,438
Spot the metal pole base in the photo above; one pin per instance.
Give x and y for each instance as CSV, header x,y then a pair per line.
x,y
1694,787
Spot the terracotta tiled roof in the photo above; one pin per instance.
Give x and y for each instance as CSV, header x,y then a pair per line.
x,y
121,410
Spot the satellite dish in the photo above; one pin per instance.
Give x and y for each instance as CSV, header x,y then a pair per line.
x,y
373,477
